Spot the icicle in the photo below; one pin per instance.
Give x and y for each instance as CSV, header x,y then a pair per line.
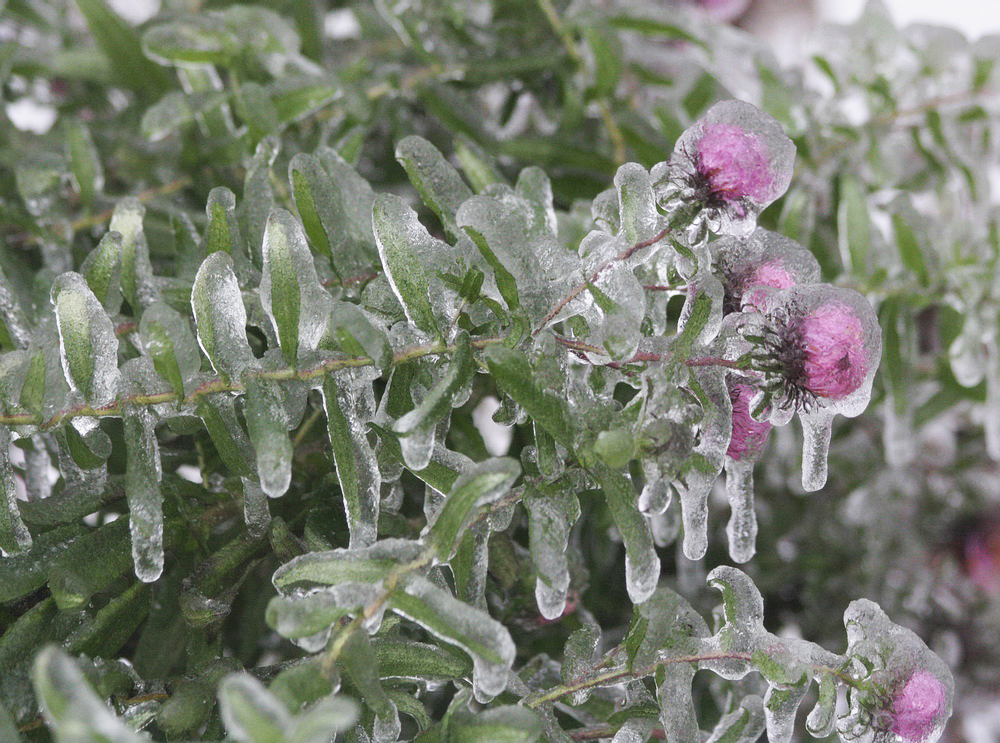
x,y
991,411
742,527
817,427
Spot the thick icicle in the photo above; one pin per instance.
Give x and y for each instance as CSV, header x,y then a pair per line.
x,y
817,427
142,489
550,518
742,527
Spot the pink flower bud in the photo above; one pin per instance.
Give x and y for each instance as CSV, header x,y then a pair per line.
x,y
818,344
734,164
749,436
832,342
917,708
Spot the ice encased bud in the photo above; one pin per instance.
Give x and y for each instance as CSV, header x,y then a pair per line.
x,y
760,259
904,691
732,164
918,706
824,344
749,435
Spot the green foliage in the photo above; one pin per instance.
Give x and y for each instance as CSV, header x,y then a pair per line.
x,y
258,285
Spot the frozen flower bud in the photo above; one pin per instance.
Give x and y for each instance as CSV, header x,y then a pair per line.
x,y
762,259
903,691
918,707
749,435
729,166
820,345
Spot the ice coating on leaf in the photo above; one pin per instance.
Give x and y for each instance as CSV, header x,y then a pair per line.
x,y
142,489
87,341
220,316
743,725
71,708
904,690
710,453
487,641
14,535
12,314
267,426
290,291
137,283
250,711
730,165
635,730
780,708
550,518
760,259
350,406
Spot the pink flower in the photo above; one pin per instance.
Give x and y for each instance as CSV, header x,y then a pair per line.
x,y
918,707
832,342
749,436
815,342
772,275
734,165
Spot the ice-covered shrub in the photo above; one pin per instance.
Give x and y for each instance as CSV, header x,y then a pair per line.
x,y
255,323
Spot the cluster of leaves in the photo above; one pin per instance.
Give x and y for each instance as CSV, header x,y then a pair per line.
x,y
150,338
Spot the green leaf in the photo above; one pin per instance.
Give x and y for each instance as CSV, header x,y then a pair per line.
x,y
353,331
70,707
484,483
396,228
365,565
416,428
438,183
642,565
220,316
418,661
513,374
349,406
137,272
359,667
267,425
251,713
608,63
14,535
102,269
23,572
911,249
230,440
506,724
222,232
123,49
84,163
86,339
289,288
479,168
167,339
482,637
854,227
314,198
89,564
